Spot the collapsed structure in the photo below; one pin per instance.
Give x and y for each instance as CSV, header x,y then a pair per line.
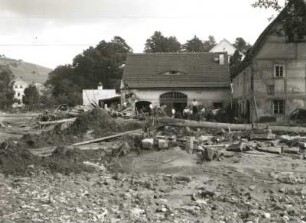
x,y
175,79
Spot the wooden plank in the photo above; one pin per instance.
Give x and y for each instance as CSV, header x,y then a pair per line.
x,y
216,125
105,138
57,121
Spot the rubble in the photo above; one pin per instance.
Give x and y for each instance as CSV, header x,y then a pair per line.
x,y
169,174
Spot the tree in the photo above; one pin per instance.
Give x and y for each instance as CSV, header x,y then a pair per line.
x,y
158,43
242,45
209,44
194,45
235,61
6,88
102,63
31,97
274,4
293,19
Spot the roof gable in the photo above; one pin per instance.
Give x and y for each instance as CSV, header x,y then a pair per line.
x,y
279,20
162,70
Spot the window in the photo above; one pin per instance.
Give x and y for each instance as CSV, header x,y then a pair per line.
x,y
173,72
278,107
270,89
18,94
278,70
20,86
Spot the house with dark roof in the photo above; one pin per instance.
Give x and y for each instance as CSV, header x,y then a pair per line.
x,y
175,79
271,81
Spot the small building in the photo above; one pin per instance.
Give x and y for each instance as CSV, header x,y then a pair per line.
x,y
175,79
19,86
271,81
100,97
224,46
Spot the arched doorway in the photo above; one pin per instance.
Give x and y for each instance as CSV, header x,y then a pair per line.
x,y
142,106
176,100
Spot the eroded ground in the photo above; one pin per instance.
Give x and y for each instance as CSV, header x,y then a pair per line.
x,y
170,185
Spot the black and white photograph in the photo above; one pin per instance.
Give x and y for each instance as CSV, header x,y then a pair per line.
x,y
174,111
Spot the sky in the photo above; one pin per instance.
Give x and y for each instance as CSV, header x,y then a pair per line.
x,y
52,32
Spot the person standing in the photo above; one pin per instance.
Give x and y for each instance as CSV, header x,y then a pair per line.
x,y
195,105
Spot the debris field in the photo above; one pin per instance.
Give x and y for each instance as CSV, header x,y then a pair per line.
x,y
97,168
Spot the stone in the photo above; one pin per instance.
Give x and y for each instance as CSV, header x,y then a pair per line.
x,y
163,144
267,215
236,147
210,154
252,187
190,144
147,143
137,212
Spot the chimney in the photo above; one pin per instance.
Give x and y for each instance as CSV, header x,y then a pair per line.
x,y
221,59
100,86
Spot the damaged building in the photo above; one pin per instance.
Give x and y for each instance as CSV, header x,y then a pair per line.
x,y
174,80
270,83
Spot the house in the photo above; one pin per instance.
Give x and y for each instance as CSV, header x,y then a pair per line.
x,y
19,86
175,79
23,75
100,97
271,81
224,46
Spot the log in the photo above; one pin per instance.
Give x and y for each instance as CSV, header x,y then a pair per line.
x,y
105,138
216,125
277,150
294,150
57,121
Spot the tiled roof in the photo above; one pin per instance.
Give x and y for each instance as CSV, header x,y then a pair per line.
x,y
262,38
195,70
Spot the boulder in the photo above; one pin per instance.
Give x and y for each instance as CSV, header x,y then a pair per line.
x,y
147,143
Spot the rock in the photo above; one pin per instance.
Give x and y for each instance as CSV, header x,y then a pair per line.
x,y
190,144
303,191
205,138
267,215
163,144
210,154
252,187
277,150
236,147
147,143
137,212
183,178
294,150
262,134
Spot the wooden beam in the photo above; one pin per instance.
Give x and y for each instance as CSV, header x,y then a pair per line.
x,y
105,138
216,125
57,121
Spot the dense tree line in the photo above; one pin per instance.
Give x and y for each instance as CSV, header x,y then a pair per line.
x,y
6,88
103,63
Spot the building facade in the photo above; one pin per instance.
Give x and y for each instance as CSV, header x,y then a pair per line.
x,y
270,83
174,80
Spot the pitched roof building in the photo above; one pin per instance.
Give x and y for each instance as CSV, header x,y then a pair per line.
x,y
270,82
175,79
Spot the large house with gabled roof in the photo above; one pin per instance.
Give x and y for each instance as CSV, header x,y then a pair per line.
x,y
175,79
271,81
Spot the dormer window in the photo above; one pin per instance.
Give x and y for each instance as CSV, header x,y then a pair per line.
x,y
173,72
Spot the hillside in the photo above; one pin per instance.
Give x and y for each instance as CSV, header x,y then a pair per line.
x,y
26,71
